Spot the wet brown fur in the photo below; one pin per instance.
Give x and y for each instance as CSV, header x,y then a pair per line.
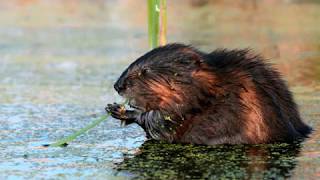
x,y
227,97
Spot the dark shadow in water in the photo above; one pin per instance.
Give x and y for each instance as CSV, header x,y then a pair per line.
x,y
158,160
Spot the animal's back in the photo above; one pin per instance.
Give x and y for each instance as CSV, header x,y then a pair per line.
x,y
257,105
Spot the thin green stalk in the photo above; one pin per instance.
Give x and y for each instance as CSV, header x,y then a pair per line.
x,y
163,22
64,142
153,22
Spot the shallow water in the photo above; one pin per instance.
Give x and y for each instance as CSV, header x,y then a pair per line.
x,y
59,59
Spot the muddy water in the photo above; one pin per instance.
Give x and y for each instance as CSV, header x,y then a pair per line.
x,y
59,59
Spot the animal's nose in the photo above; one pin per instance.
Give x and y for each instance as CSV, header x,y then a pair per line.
x,y
119,85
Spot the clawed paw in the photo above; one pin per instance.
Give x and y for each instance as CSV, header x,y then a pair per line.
x,y
117,111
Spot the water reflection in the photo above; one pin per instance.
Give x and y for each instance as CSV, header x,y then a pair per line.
x,y
160,160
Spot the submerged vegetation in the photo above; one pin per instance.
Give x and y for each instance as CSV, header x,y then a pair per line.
x,y
159,160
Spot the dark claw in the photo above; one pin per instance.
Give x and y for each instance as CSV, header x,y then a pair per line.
x,y
117,111
112,107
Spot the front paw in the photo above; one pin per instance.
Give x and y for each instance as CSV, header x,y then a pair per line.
x,y
117,111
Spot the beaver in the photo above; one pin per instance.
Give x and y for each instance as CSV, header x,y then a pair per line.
x,y
182,95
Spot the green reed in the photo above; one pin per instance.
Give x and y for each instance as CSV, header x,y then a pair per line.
x,y
157,22
64,142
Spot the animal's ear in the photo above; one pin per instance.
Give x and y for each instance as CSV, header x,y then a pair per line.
x,y
198,61
194,56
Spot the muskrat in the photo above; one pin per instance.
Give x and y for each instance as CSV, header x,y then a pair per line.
x,y
182,95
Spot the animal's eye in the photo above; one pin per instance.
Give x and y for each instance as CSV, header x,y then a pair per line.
x,y
129,83
143,72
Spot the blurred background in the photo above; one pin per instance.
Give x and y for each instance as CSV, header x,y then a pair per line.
x,y
59,59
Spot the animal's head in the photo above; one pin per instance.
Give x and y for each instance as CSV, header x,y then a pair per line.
x,y
165,78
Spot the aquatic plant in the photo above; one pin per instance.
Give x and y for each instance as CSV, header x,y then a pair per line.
x,y
157,22
64,142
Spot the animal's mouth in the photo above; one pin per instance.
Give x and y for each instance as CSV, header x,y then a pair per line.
x,y
133,104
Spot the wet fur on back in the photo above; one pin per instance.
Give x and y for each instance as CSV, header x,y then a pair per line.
x,y
224,97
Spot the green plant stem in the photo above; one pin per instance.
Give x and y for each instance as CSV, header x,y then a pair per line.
x,y
64,142
153,22
163,22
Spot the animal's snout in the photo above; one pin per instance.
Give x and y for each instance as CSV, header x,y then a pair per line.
x,y
119,86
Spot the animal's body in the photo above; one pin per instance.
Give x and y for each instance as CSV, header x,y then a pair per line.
x,y
183,95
